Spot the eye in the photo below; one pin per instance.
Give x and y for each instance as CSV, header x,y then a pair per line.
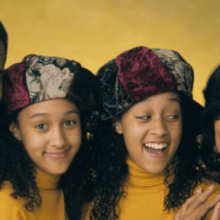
x,y
145,118
174,117
41,126
69,122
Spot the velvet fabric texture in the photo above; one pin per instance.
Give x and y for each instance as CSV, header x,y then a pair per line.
x,y
181,70
139,73
15,91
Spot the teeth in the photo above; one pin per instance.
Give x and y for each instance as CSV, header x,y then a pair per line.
x,y
156,146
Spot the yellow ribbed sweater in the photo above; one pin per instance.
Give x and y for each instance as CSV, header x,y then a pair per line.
x,y
145,196
52,208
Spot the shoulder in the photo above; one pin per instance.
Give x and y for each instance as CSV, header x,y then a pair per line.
x,y
206,184
11,208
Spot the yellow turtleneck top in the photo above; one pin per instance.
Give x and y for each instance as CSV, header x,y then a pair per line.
x,y
52,207
145,196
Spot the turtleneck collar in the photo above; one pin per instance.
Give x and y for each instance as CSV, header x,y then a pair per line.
x,y
139,178
46,181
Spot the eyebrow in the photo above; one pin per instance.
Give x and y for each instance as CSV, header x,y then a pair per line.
x,y
74,111
45,114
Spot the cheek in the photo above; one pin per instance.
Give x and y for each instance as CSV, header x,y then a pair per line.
x,y
75,138
33,142
176,134
133,137
34,149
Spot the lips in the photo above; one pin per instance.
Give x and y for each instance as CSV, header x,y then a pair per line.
x,y
156,146
156,150
57,155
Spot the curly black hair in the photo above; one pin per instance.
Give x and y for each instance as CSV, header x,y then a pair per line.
x,y
210,114
18,168
108,158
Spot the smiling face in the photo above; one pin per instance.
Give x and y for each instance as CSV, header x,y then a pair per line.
x,y
152,130
51,134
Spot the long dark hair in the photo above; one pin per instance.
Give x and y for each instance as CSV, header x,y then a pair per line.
x,y
210,114
19,170
108,157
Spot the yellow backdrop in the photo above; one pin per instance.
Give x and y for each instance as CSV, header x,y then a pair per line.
x,y
93,32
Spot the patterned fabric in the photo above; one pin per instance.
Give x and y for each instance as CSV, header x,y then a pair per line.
x,y
40,78
139,73
115,98
181,70
48,77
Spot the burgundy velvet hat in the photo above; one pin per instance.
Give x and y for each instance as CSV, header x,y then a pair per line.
x,y
41,78
139,73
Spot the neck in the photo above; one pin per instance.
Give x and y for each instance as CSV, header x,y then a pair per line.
x,y
140,178
46,180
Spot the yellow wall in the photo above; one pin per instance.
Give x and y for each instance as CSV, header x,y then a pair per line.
x,y
93,32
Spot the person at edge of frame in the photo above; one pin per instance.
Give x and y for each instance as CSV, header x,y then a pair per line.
x,y
209,140
3,53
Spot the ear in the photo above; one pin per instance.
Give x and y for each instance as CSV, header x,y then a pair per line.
x,y
118,126
15,130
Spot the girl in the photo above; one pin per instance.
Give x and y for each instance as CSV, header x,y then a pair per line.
x,y
49,102
210,146
144,154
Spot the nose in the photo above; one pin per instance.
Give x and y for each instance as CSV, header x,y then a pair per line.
x,y
159,127
57,138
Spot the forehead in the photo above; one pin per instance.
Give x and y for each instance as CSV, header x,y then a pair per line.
x,y
2,55
51,108
159,101
162,98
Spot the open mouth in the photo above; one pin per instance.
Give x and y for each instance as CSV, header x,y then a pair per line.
x,y
156,149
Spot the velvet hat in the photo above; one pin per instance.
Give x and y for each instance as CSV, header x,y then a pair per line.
x,y
141,72
41,78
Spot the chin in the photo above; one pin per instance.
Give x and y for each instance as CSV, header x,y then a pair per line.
x,y
154,170
57,172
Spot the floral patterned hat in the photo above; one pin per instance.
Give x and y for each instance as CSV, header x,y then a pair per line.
x,y
41,78
142,72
